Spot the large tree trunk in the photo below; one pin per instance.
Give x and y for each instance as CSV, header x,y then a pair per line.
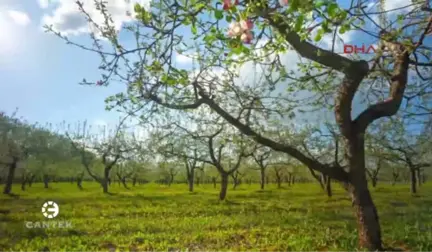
x,y
328,187
171,179
235,184
413,181
23,182
395,177
123,181
46,180
79,183
105,185
106,180
214,182
374,181
191,180
262,181
30,181
367,215
369,228
10,177
224,186
419,177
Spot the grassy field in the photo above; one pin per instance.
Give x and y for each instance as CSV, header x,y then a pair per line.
x,y
155,217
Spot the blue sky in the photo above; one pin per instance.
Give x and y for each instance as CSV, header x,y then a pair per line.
x,y
39,73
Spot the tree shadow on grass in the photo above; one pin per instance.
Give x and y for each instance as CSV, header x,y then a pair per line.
x,y
230,202
13,195
395,249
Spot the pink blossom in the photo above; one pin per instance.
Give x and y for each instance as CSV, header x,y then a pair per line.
x,y
246,24
283,2
247,37
228,4
234,30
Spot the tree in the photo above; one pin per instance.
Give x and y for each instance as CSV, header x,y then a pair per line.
x,y
15,146
191,164
225,151
237,178
406,147
261,156
322,145
103,150
278,172
327,73
124,171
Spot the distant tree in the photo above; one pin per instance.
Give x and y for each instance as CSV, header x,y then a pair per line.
x,y
237,177
191,165
405,147
261,156
103,149
15,146
279,173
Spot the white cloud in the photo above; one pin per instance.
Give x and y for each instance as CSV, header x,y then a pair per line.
x,y
395,4
19,17
43,3
185,58
68,20
11,37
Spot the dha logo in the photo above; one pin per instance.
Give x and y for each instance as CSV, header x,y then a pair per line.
x,y
50,209
350,49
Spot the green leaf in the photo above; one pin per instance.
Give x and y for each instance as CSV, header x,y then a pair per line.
x,y
137,8
238,49
209,39
319,4
332,9
194,29
245,50
228,18
299,23
218,14
319,35
400,19
187,21
294,5
343,15
199,6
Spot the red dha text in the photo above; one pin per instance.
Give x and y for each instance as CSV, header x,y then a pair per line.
x,y
349,49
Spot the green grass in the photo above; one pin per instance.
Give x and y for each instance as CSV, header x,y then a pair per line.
x,y
155,217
